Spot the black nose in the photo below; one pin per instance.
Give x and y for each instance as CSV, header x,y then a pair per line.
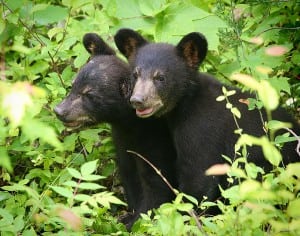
x,y
137,101
58,111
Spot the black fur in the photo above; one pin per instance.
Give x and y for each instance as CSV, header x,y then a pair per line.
x,y
201,127
100,94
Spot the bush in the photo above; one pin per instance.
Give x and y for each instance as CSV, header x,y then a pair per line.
x,y
51,181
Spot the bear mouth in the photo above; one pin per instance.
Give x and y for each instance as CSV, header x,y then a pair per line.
x,y
73,125
77,124
149,111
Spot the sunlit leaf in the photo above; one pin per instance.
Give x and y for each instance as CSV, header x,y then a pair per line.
x,y
88,168
271,153
268,95
63,191
75,173
276,125
293,208
91,186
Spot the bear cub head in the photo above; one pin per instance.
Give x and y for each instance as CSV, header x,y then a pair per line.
x,y
98,91
160,72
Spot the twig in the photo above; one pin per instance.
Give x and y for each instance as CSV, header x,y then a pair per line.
x,y
22,23
191,212
298,139
54,65
85,154
278,28
156,170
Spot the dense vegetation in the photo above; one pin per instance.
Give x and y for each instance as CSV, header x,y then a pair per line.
x,y
54,182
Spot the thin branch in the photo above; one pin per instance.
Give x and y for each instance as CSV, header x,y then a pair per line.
x,y
191,212
85,154
34,35
54,66
298,139
278,28
156,170
23,24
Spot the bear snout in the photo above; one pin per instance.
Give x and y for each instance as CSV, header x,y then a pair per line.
x,y
137,101
59,112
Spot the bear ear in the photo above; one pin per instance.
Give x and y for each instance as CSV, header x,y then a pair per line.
x,y
128,41
193,48
95,45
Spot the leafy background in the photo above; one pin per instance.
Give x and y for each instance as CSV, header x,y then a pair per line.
x,y
54,182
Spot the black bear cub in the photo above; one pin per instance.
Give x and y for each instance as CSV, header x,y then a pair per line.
x,y
166,83
100,94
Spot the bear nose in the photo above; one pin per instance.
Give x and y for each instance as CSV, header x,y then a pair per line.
x,y
58,111
137,100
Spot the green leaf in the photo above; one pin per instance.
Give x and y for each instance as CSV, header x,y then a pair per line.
x,y
54,31
230,93
232,194
74,173
220,98
90,186
92,177
106,199
35,129
293,169
276,125
88,168
296,58
293,208
268,95
29,232
82,197
50,14
70,183
271,153
281,84
204,24
5,161
69,142
186,207
18,223
284,138
191,199
236,112
7,216
249,187
4,196
228,105
63,191
152,7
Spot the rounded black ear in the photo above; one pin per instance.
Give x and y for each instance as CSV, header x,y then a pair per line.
x,y
95,45
193,48
128,41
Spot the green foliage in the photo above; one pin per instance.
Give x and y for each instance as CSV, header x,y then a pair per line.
x,y
52,182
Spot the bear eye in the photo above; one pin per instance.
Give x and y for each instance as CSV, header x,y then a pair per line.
x,y
135,75
159,78
87,92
